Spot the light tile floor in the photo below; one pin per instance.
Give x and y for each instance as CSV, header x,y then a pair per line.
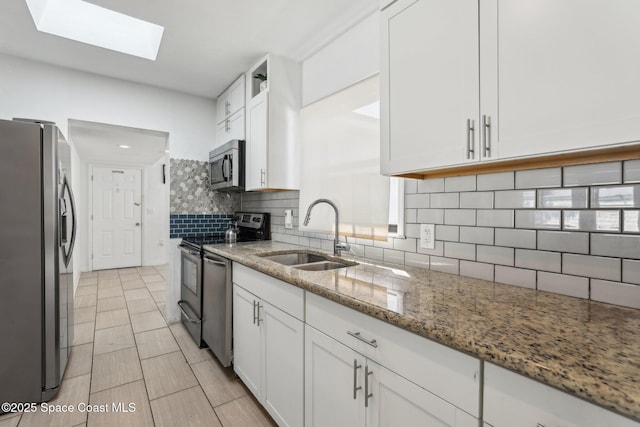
x,y
125,353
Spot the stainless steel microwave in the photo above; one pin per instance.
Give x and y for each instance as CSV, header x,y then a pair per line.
x,y
226,166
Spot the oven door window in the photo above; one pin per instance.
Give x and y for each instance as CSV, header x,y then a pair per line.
x,y
220,169
190,275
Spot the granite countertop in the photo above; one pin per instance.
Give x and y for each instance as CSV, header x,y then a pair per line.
x,y
586,348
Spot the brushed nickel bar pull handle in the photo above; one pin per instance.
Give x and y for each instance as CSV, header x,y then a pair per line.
x,y
258,316
486,135
263,177
367,395
355,378
471,139
356,335
254,312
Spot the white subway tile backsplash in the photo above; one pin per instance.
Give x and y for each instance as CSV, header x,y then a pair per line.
x,y
416,201
631,271
460,183
564,241
430,216
515,199
588,220
460,250
374,253
410,216
478,199
616,245
572,286
412,230
391,255
410,186
495,255
631,221
495,218
591,266
538,219
445,265
460,217
516,276
496,181
621,196
445,200
539,260
450,233
593,174
482,235
623,294
433,185
416,260
438,250
539,178
631,171
385,244
516,238
407,245
476,270
563,198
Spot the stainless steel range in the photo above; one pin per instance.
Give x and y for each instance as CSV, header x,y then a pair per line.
x,y
205,285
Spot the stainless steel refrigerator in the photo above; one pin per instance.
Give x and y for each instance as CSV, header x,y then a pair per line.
x,y
37,235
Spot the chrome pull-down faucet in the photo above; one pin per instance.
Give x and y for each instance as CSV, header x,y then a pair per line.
x,y
337,245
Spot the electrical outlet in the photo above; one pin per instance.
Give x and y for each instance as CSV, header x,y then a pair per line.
x,y
288,218
427,236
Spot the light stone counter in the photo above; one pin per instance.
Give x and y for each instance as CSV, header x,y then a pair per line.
x,y
586,348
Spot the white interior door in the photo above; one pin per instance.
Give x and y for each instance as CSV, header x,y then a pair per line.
x,y
116,225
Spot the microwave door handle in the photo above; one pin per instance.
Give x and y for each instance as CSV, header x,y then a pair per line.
x,y
226,166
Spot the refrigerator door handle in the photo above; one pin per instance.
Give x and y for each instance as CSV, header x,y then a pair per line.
x,y
69,253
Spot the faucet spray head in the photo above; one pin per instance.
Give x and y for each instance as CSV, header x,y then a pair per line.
x,y
307,218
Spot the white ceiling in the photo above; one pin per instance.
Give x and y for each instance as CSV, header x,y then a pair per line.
x,y
206,43
100,143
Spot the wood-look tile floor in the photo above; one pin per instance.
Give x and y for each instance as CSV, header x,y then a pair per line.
x,y
126,357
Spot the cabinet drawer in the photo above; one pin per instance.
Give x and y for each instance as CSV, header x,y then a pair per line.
x,y
512,400
448,373
284,296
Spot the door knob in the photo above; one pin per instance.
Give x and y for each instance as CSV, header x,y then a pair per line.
x,y
137,224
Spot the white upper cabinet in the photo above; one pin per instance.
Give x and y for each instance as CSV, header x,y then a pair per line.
x,y
563,73
232,99
468,81
230,112
273,133
430,84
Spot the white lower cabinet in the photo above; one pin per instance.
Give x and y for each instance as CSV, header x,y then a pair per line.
x,y
344,388
269,345
511,400
360,371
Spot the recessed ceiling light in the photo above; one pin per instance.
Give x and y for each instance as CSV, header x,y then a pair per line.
x,y
87,23
123,146
371,110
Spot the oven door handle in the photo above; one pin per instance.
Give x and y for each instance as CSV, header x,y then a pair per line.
x,y
189,319
213,261
185,249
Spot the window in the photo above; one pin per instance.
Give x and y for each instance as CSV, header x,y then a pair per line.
x,y
341,162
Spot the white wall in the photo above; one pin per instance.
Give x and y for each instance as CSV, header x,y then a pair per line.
x,y
37,90
155,216
353,56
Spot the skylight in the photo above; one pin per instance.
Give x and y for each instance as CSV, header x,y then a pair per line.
x,y
87,23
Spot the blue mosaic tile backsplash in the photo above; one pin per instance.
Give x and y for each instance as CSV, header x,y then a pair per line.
x,y
197,225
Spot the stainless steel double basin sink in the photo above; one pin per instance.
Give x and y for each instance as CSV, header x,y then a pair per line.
x,y
309,261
